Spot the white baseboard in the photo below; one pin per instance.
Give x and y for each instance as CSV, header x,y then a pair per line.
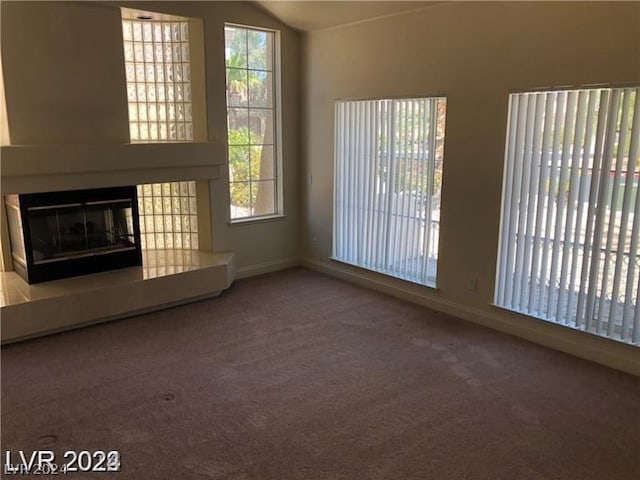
x,y
266,267
580,344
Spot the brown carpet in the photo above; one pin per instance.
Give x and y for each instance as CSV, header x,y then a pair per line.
x,y
295,375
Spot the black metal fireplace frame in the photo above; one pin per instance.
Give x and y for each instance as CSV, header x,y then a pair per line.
x,y
83,265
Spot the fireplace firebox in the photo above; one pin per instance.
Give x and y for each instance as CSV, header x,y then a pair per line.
x,y
65,234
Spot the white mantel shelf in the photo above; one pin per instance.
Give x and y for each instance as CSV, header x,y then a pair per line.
x,y
42,168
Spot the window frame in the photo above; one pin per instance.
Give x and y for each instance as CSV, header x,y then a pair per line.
x,y
276,109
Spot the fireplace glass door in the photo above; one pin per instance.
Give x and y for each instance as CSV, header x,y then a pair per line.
x,y
61,232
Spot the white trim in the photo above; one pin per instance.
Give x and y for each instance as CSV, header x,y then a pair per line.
x,y
266,267
580,344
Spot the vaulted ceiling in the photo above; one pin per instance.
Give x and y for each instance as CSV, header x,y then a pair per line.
x,y
310,15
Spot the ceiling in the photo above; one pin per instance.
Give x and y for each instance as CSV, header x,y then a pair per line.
x,y
310,15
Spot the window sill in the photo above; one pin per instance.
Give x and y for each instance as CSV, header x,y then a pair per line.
x,y
252,220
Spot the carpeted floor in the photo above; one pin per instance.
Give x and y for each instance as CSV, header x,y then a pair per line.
x,y
295,375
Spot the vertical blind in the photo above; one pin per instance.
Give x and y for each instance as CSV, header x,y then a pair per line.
x,y
571,210
388,171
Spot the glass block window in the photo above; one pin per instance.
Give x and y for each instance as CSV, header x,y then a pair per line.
x,y
168,215
252,113
158,73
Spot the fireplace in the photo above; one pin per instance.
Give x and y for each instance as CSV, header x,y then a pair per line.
x,y
65,234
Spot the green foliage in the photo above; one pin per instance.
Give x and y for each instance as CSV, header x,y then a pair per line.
x,y
244,164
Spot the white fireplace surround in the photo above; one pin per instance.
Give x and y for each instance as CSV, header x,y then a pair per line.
x,y
29,311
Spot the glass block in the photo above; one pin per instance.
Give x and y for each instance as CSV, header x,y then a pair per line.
x,y
141,92
193,208
171,112
166,189
159,223
194,242
143,131
133,131
168,240
133,111
177,72
130,72
159,240
168,53
186,240
157,205
185,52
192,188
152,113
147,189
176,31
173,131
177,240
181,132
177,223
139,193
142,113
187,92
147,34
128,52
193,222
153,131
189,131
143,242
163,132
157,54
178,89
184,189
139,76
131,92
168,223
175,189
151,241
151,93
127,31
186,72
137,31
176,53
166,32
166,205
148,52
159,72
138,52
184,34
169,93
150,72
157,189
184,205
157,32
149,224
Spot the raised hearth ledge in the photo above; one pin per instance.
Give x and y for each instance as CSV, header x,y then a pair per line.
x,y
47,168
167,278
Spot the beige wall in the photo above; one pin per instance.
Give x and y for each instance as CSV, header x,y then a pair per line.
x,y
64,81
474,53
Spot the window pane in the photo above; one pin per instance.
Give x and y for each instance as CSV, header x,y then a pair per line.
x,y
259,89
239,164
262,163
235,47
261,126
259,50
